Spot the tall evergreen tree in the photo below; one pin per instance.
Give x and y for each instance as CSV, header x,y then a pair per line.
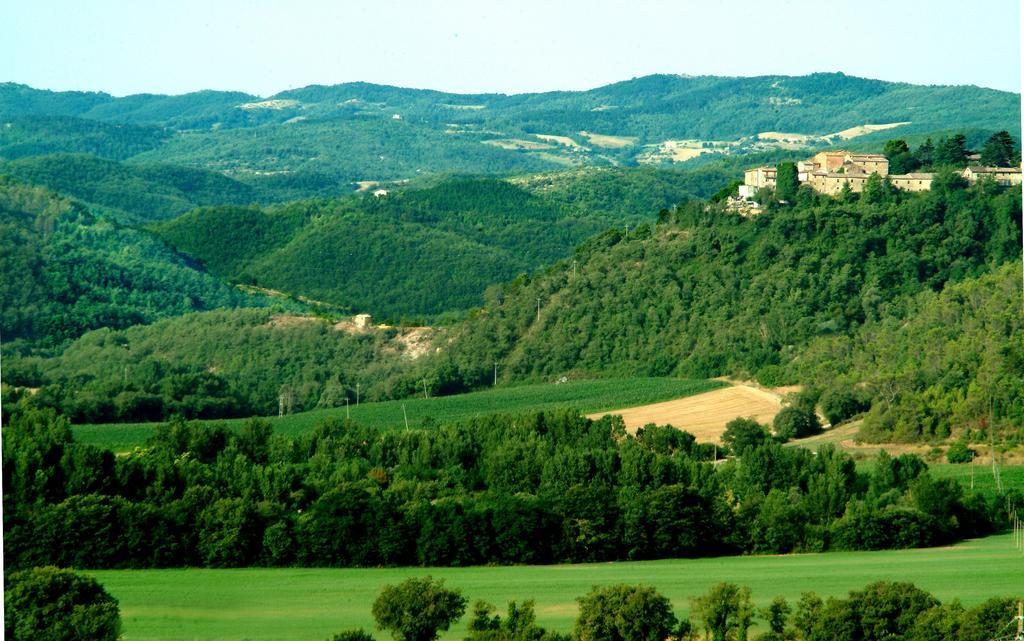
x,y
1000,150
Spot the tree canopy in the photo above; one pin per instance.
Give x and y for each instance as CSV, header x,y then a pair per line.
x,y
51,604
417,609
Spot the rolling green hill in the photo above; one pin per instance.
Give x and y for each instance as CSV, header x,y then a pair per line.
x,y
361,131
419,251
24,136
707,292
67,270
135,192
215,364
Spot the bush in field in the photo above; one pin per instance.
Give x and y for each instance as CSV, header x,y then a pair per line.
x,y
416,609
624,613
959,453
796,421
352,635
743,434
51,604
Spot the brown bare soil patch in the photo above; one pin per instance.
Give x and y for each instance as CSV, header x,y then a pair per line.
x,y
704,415
416,341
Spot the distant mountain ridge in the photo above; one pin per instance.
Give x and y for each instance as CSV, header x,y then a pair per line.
x,y
364,131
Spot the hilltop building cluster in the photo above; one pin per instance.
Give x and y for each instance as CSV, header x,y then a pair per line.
x,y
828,172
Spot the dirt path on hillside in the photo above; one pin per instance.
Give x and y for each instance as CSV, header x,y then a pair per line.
x,y
705,415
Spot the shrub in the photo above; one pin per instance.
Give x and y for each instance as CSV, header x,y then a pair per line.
x,y
796,422
58,605
841,403
959,453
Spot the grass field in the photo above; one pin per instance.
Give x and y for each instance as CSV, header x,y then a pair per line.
x,y
587,396
312,604
984,482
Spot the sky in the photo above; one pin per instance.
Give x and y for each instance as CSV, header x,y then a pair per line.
x,y
263,46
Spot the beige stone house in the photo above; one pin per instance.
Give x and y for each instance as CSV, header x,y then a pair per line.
x,y
756,178
1007,176
912,182
828,171
831,183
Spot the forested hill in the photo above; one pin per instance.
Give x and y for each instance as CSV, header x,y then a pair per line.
x,y
417,252
362,131
707,292
68,270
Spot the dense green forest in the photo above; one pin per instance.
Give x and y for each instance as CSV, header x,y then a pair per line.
x,y
537,488
706,293
949,360
361,131
417,252
133,193
24,136
68,270
225,363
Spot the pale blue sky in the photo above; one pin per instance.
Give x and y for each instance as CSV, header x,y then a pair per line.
x,y
264,46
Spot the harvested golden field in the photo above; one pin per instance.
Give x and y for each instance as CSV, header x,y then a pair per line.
x,y
704,415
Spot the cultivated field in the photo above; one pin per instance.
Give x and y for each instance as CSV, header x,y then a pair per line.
x,y
704,415
1012,476
312,604
587,396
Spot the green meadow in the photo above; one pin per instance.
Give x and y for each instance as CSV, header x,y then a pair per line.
x,y
588,396
981,477
312,604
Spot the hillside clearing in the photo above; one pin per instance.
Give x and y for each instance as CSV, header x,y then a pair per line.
x,y
704,415
565,141
309,604
517,144
609,142
854,132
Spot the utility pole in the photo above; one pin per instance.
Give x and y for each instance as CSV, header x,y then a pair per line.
x,y
347,415
574,269
1020,620
972,470
357,394
992,449
495,373
424,388
538,310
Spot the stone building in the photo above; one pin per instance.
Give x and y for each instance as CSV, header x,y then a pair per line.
x,y
831,182
828,171
1006,176
912,182
756,178
871,163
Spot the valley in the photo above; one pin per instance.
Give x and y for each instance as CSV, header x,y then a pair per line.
x,y
263,355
